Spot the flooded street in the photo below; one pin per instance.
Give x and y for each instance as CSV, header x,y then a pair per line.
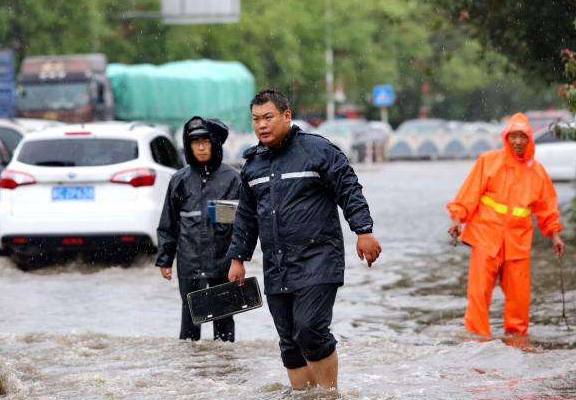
x,y
82,332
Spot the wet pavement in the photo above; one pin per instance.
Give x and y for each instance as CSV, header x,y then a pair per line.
x,y
78,331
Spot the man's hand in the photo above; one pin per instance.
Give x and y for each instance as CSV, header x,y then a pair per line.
x,y
368,247
455,231
559,246
237,272
166,273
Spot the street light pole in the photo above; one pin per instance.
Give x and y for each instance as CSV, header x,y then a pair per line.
x,y
330,107
384,114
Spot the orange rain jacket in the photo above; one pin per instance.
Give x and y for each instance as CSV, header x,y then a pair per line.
x,y
501,193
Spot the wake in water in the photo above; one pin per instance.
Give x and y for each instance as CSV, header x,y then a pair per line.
x,y
75,331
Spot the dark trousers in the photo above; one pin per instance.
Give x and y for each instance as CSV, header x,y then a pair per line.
x,y
223,328
302,319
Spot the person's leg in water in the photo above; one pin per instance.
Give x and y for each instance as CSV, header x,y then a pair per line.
x,y
223,328
301,378
299,373
482,277
187,329
312,312
326,371
516,287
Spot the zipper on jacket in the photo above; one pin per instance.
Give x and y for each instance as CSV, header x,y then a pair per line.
x,y
277,246
204,234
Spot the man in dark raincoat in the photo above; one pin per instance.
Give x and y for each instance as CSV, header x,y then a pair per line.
x,y
292,185
185,230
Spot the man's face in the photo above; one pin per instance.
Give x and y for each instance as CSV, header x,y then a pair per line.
x,y
202,149
518,141
271,125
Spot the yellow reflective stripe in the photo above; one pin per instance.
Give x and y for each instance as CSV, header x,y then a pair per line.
x,y
503,209
499,208
521,212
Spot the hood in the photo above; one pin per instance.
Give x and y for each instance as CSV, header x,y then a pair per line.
x,y
215,130
519,122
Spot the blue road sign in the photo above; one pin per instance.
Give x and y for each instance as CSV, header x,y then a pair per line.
x,y
383,95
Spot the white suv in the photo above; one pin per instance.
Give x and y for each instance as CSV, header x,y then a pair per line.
x,y
92,188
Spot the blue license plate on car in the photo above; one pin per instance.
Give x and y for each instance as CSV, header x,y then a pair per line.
x,y
72,193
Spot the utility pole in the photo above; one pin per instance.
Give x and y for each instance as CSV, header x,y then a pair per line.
x,y
384,114
95,28
330,107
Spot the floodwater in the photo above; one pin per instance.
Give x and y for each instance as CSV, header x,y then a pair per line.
x,y
98,332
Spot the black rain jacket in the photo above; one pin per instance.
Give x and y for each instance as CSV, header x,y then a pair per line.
x,y
185,229
289,198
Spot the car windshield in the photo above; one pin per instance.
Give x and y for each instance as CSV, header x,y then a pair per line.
x,y
541,123
53,96
560,134
78,152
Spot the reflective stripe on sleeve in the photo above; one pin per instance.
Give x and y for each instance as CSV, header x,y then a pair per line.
x,y
258,181
190,213
521,212
303,174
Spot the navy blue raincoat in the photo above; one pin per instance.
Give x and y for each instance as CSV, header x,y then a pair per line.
x,y
289,198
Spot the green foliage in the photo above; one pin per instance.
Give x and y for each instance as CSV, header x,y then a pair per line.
x,y
403,42
530,33
562,132
48,27
131,40
568,91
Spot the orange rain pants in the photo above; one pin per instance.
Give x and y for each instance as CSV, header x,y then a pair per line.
x,y
514,276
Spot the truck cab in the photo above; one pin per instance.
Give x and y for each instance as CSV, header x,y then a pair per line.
x,y
71,88
7,84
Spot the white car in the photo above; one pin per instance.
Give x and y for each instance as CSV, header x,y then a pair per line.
x,y
95,187
305,126
419,139
556,152
347,135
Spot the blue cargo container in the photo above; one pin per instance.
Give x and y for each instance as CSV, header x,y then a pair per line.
x,y
7,84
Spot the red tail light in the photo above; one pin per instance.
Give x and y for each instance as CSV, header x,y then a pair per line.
x,y
19,240
136,177
11,179
73,241
128,239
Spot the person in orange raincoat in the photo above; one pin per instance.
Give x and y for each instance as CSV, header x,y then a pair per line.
x,y
496,203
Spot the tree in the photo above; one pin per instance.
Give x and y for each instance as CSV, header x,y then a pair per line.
x,y
48,27
568,90
45,27
530,33
406,43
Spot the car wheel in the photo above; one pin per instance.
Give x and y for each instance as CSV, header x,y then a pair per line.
x,y
126,258
151,250
26,262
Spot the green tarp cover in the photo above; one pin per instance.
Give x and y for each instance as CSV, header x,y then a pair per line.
x,y
173,93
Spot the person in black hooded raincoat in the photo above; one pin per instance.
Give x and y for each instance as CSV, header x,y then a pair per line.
x,y
185,231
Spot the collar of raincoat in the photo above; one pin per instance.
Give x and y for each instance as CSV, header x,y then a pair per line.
x,y
294,129
519,122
